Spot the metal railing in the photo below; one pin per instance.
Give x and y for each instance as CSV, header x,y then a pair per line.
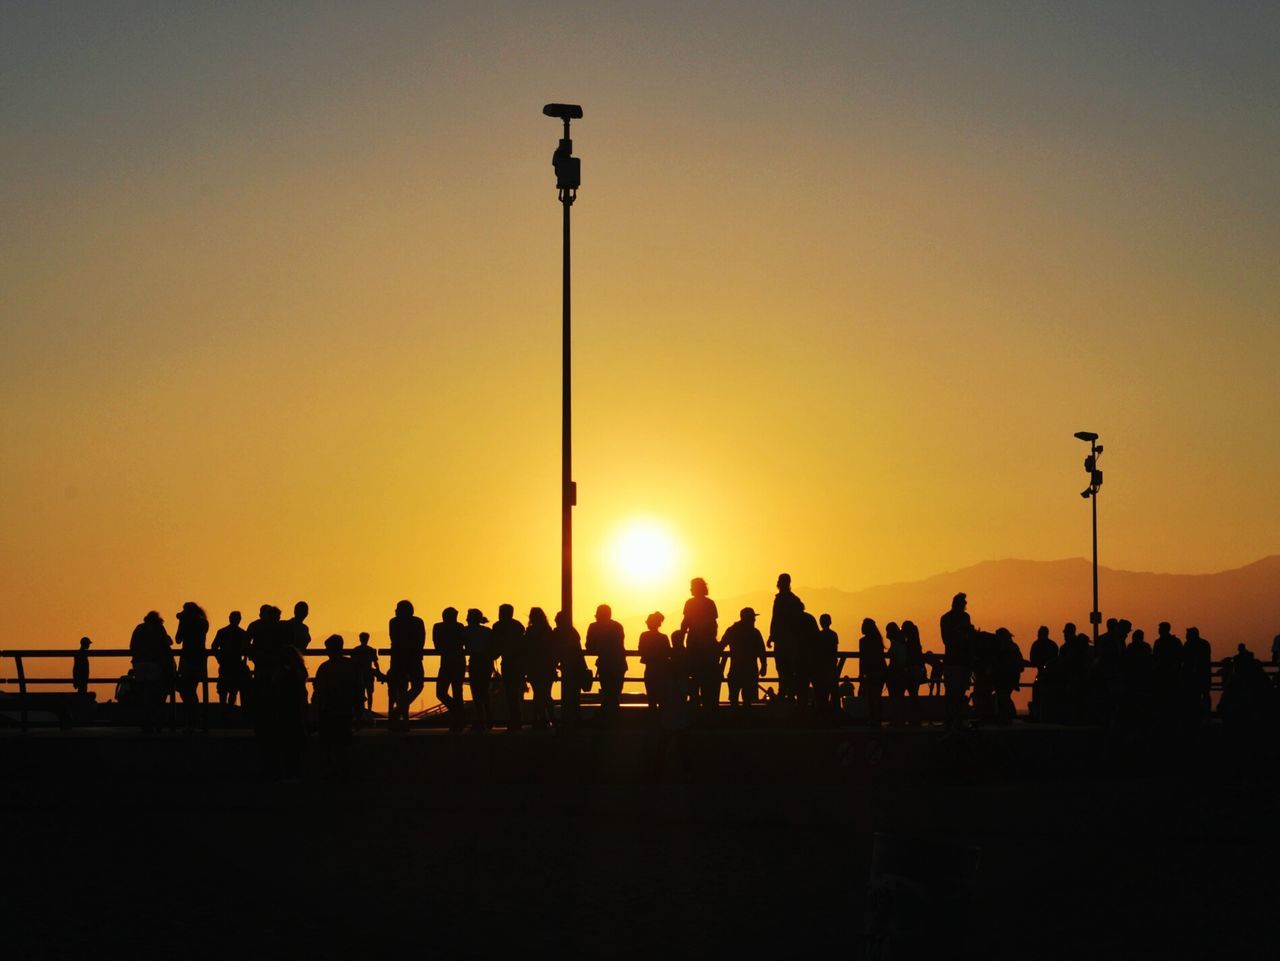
x,y
19,658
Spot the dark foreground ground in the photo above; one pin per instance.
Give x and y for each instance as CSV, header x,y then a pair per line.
x,y
623,844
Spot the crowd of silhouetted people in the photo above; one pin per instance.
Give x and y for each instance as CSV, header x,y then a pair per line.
x,y
1119,679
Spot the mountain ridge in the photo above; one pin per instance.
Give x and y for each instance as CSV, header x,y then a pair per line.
x,y
1237,605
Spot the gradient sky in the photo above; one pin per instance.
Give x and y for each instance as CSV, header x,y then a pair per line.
x,y
281,297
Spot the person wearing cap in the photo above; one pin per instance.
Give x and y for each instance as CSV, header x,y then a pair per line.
x,y
477,641
745,644
80,667
405,677
446,638
605,640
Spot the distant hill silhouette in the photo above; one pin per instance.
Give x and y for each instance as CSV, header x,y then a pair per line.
x,y
1230,607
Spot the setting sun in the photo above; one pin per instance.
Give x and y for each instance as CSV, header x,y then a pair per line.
x,y
643,553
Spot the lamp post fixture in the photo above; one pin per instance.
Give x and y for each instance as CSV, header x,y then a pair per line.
x,y
568,170
1091,492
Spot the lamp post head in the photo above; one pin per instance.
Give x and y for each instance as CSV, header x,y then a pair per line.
x,y
568,167
563,111
1087,436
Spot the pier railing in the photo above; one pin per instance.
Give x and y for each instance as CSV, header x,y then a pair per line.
x,y
19,659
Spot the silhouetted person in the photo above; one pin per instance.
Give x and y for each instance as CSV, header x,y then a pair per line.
x,y
296,630
1197,670
337,696
1275,649
230,647
574,675
447,638
895,679
509,644
701,626
477,640
784,628
957,658
149,651
80,667
1006,675
675,712
540,648
364,658
655,655
193,628
1044,649
871,669
933,661
405,677
913,669
1071,676
279,695
1138,675
984,646
808,660
1248,698
1166,670
605,641
825,676
747,663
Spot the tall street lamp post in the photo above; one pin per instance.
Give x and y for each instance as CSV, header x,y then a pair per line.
x,y
1091,492
568,169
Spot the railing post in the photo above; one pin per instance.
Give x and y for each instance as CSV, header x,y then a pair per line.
x,y
204,701
22,691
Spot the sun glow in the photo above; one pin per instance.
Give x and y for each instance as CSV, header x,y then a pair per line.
x,y
643,553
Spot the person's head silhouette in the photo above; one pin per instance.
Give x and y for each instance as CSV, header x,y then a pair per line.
x,y
85,643
654,620
537,617
153,618
301,610
505,612
784,582
824,621
234,618
404,609
698,587
562,619
333,644
475,616
959,602
449,615
1042,633
604,613
364,638
748,614
1164,628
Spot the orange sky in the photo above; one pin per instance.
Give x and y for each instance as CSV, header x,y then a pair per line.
x,y
281,309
